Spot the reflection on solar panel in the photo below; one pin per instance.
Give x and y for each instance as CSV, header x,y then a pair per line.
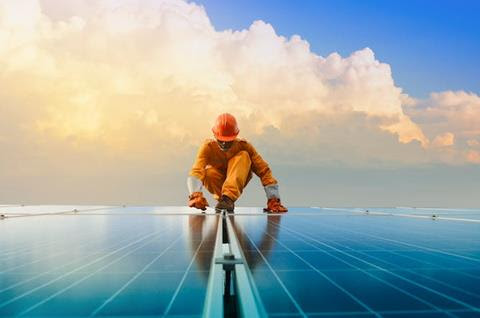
x,y
173,261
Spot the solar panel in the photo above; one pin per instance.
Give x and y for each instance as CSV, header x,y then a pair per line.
x,y
105,264
174,261
27,210
367,265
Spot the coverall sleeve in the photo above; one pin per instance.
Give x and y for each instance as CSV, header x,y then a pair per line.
x,y
198,168
260,167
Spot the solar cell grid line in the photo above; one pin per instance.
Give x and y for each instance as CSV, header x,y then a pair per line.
x,y
47,244
17,249
54,269
435,266
344,229
12,254
47,256
126,302
400,242
457,289
455,244
107,301
352,266
295,303
414,226
468,306
77,269
385,313
372,246
466,227
449,267
388,284
177,290
403,243
361,303
20,245
400,267
22,250
29,309
114,307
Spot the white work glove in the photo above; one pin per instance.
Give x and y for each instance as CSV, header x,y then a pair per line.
x,y
194,184
271,191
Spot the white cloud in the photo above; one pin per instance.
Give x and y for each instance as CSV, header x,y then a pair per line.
x,y
444,140
473,143
450,114
473,156
143,81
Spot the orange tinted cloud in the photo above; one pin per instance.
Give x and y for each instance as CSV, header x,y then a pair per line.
x,y
134,80
473,156
444,140
450,119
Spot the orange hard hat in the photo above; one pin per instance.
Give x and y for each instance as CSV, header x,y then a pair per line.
x,y
225,128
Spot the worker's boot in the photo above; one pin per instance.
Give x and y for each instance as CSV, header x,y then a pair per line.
x,y
275,206
225,203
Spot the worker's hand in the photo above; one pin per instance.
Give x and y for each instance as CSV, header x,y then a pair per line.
x,y
274,206
197,200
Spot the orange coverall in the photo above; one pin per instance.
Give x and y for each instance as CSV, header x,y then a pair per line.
x,y
227,173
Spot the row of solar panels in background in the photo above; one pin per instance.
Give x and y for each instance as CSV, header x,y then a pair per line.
x,y
39,209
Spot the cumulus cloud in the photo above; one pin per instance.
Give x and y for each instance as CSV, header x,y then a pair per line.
x,y
473,156
444,140
450,119
138,84
473,143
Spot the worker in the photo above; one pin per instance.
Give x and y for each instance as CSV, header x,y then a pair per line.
x,y
224,166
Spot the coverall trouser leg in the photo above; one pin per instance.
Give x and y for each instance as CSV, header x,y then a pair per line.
x,y
232,183
213,181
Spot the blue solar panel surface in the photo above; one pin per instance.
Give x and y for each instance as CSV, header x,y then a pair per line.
x,y
156,261
363,265
105,265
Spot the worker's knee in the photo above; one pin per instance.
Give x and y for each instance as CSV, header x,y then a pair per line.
x,y
213,174
243,156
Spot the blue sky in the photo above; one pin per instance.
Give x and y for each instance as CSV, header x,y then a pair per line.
x,y
430,45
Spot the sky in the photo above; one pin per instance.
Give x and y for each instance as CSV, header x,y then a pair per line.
x,y
353,103
431,45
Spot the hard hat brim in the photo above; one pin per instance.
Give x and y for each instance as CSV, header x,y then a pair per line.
x,y
225,138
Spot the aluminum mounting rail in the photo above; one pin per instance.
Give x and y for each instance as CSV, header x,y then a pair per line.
x,y
231,290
